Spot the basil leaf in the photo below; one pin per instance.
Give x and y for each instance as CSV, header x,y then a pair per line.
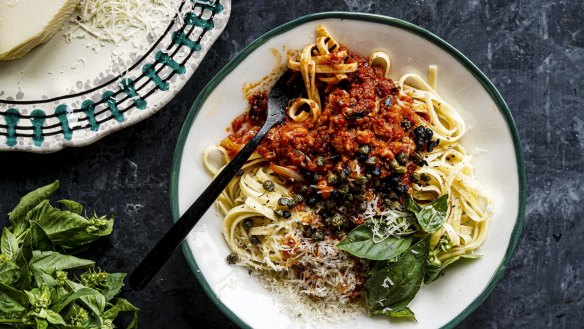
x,y
41,277
54,318
8,271
23,281
113,284
433,272
411,205
121,305
405,312
29,201
72,206
8,293
433,215
8,244
81,239
39,239
95,302
71,231
73,296
10,307
359,242
40,323
394,287
50,261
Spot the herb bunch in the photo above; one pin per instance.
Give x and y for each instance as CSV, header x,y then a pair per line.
x,y
42,285
400,264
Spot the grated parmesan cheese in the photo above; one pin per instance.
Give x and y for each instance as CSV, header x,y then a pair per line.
x,y
114,21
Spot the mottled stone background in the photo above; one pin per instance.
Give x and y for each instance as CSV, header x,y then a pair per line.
x,y
532,50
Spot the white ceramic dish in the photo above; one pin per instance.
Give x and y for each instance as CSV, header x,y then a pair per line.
x,y
73,92
445,302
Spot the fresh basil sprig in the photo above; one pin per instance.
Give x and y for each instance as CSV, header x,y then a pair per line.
x,y
360,242
389,290
431,216
41,285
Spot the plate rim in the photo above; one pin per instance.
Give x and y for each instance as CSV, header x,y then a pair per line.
x,y
380,19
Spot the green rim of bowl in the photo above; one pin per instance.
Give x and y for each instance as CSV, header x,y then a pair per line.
x,y
368,18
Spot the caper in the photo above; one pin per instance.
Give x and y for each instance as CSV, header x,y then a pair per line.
x,y
376,172
425,177
415,177
429,133
387,101
232,258
344,173
406,124
394,164
362,206
416,157
364,149
283,202
268,185
247,224
400,170
332,178
318,235
286,214
402,158
343,188
361,180
254,240
338,220
298,198
320,161
371,161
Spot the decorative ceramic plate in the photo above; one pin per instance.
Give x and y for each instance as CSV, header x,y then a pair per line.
x,y
73,90
445,302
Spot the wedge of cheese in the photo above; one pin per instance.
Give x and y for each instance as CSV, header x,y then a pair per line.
x,y
25,24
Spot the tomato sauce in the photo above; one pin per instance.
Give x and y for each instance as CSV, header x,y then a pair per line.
x,y
362,118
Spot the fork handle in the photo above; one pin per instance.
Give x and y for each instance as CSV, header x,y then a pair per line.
x,y
162,251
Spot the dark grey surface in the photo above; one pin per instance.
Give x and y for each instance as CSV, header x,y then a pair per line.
x,y
533,51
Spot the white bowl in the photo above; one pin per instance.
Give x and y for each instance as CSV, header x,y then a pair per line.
x,y
445,302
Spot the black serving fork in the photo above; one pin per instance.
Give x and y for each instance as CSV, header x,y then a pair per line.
x,y
282,92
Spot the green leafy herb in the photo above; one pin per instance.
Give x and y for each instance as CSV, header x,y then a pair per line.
x,y
40,283
29,201
405,313
433,271
389,291
72,206
431,216
360,242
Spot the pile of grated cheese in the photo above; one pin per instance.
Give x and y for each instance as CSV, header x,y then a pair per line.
x,y
321,287
115,21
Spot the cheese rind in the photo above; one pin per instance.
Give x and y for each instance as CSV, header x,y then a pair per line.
x,y
25,24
